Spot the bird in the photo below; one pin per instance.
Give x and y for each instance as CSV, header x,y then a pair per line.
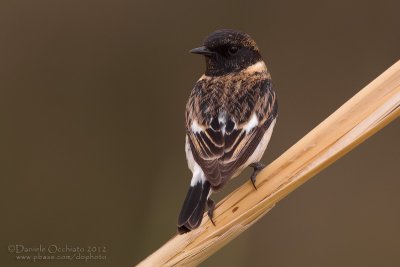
x,y
229,118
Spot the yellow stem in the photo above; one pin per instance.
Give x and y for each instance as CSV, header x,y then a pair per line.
x,y
364,114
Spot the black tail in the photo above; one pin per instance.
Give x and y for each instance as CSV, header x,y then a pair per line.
x,y
193,208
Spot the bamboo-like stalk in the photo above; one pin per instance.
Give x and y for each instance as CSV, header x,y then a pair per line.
x,y
364,114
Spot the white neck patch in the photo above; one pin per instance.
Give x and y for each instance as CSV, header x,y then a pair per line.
x,y
256,67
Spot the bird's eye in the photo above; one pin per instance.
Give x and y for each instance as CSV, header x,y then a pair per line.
x,y
233,50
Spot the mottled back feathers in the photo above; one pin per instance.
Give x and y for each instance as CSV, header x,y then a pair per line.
x,y
226,117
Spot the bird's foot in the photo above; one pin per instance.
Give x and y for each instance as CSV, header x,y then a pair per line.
x,y
211,207
257,166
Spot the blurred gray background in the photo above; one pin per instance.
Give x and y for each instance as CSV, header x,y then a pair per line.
x,y
92,98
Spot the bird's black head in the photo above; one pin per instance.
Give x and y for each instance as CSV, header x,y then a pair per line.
x,y
228,51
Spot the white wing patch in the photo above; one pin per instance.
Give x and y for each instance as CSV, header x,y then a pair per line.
x,y
198,176
258,153
196,128
222,121
253,122
189,155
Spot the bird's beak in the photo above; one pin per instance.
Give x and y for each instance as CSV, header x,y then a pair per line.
x,y
202,50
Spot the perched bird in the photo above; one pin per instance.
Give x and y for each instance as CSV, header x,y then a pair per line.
x,y
230,115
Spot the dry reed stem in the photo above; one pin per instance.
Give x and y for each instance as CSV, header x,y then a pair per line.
x,y
364,114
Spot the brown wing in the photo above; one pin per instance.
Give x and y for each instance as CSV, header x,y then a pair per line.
x,y
224,129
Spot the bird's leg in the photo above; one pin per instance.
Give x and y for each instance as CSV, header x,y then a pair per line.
x,y
211,207
257,166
